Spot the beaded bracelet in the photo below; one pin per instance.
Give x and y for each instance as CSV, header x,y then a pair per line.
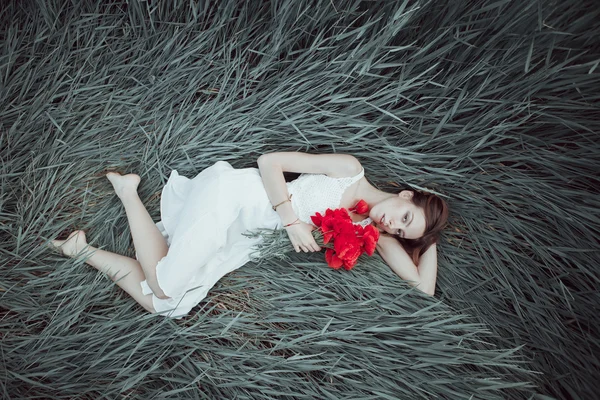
x,y
293,223
288,199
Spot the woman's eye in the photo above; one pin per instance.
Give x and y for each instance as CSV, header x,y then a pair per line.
x,y
405,218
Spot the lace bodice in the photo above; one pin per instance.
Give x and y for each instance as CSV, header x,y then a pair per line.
x,y
314,193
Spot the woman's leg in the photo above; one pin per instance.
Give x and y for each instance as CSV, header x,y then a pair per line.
x,y
126,271
149,243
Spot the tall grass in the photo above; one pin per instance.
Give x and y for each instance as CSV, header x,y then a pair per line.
x,y
492,104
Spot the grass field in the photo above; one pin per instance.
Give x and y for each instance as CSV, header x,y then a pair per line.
x,y
493,104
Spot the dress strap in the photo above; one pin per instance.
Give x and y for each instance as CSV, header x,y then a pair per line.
x,y
359,175
364,222
349,180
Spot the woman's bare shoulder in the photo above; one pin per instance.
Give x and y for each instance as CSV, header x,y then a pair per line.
x,y
387,240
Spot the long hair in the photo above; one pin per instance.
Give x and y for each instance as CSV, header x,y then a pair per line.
x,y
436,217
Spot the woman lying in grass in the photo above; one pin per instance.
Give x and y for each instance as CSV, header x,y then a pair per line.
x,y
200,236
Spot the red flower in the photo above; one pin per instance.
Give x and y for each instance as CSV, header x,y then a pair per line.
x,y
317,219
349,264
348,248
350,241
361,207
334,222
344,227
327,227
370,237
338,213
359,230
342,213
332,259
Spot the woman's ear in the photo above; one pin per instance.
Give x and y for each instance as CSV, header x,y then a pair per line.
x,y
406,194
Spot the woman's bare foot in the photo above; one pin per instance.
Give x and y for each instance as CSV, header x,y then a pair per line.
x,y
73,245
123,184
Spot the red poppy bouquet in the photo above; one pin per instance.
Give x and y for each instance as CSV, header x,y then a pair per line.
x,y
349,241
344,241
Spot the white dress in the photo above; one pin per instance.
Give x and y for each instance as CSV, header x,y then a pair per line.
x,y
203,219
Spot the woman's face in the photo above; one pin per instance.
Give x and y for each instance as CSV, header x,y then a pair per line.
x,y
398,215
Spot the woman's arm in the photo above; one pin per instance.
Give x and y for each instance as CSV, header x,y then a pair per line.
x,y
423,276
334,165
428,269
272,166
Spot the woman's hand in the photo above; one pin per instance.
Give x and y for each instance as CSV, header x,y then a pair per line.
x,y
302,238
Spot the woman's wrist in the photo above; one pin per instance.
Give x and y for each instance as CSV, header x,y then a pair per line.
x,y
295,222
281,202
286,213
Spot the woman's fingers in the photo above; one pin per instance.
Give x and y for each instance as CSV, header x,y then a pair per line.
x,y
313,247
306,248
296,245
300,247
305,244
